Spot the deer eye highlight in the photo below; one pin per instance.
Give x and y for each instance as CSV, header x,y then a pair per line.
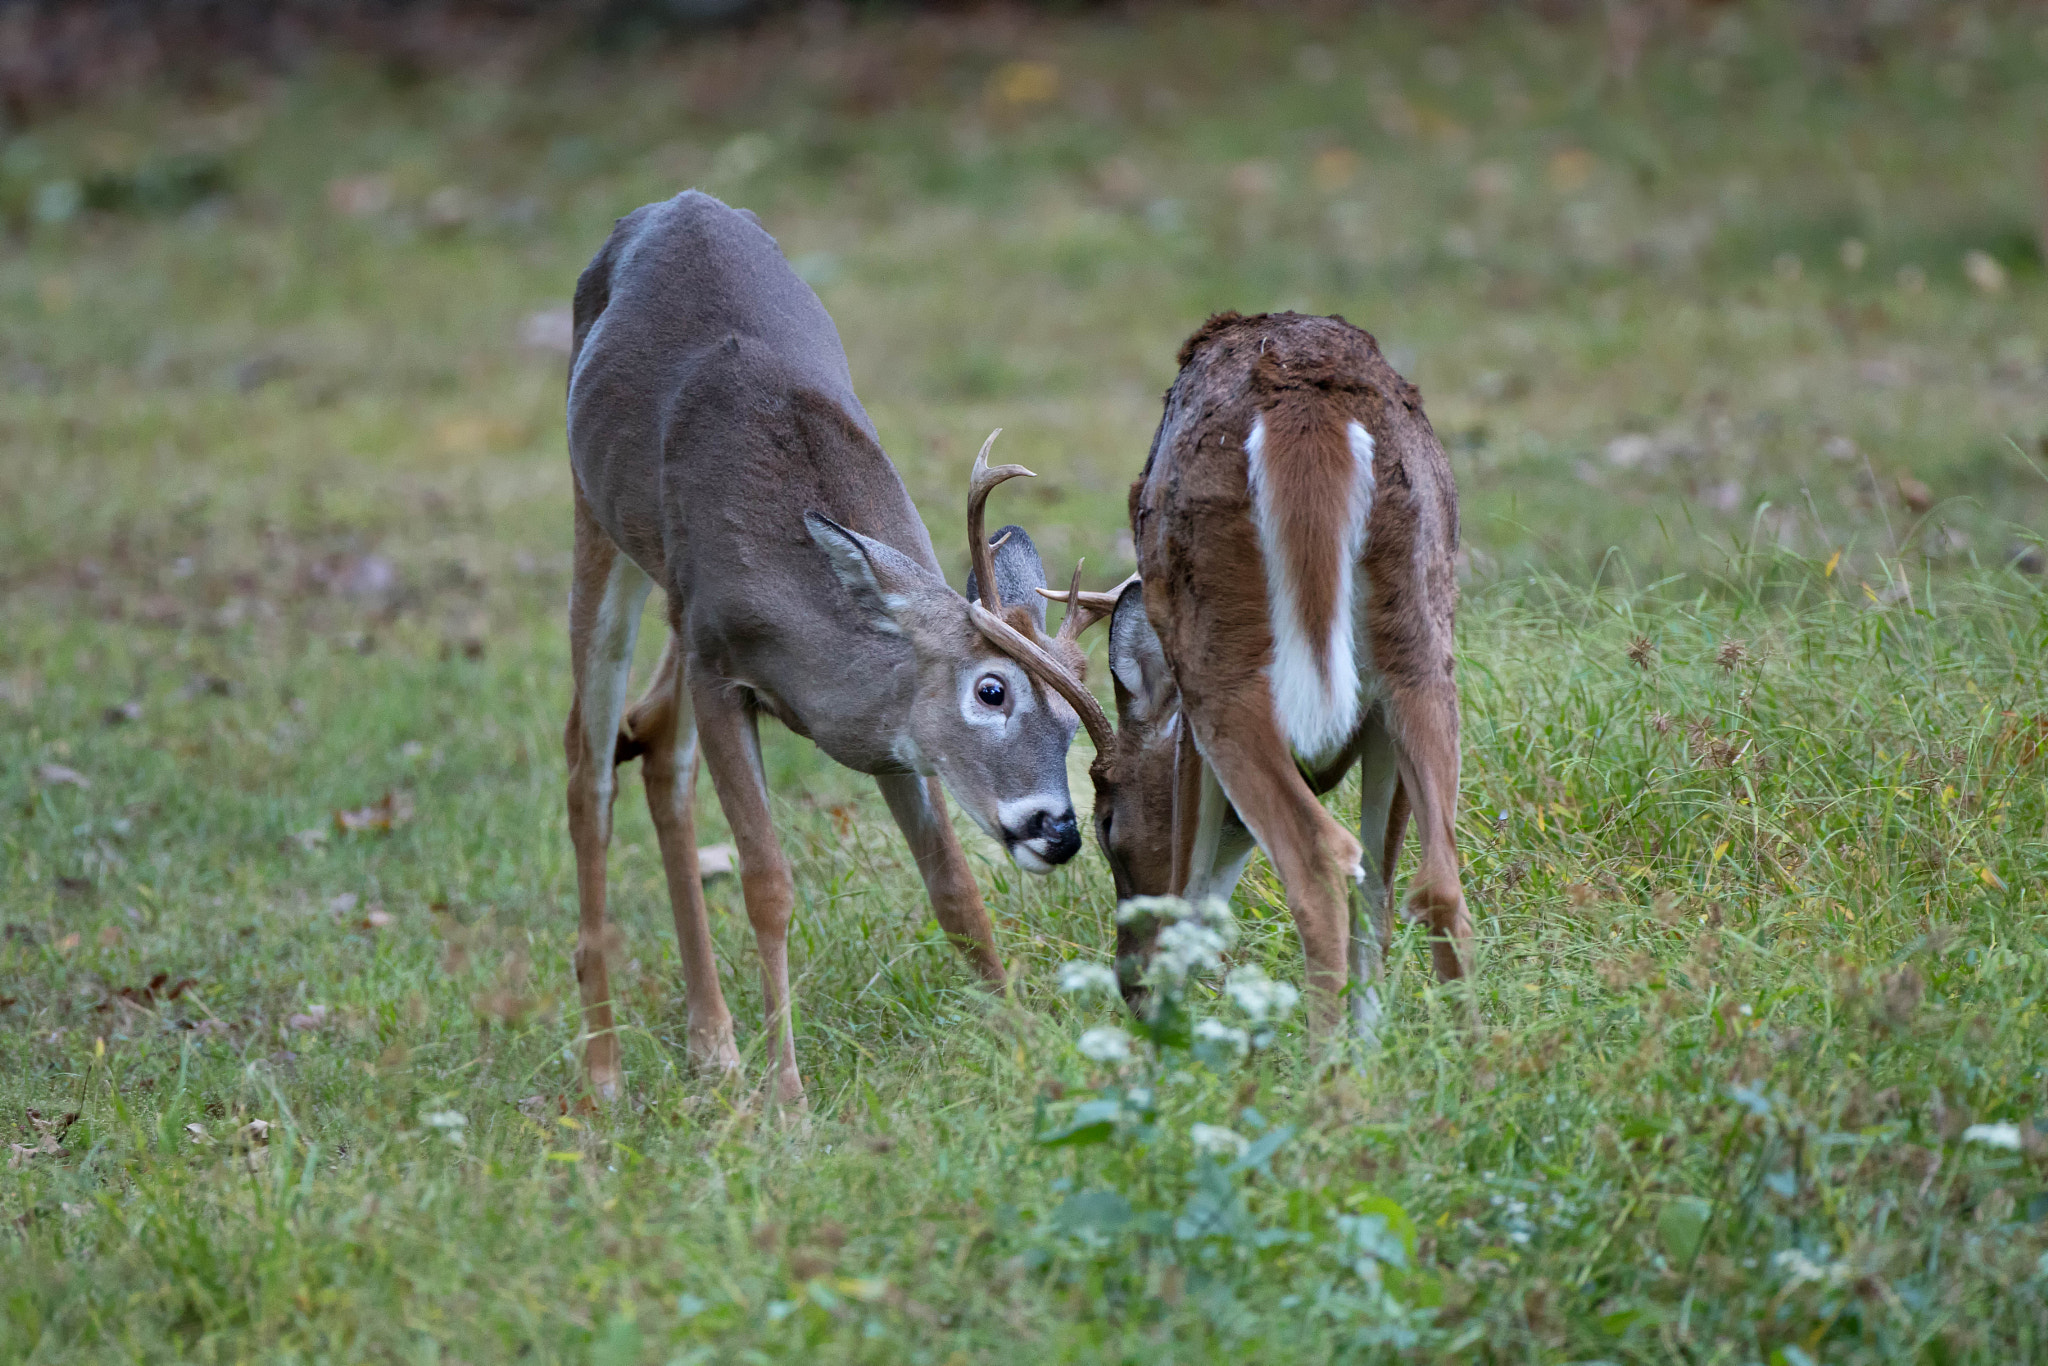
x,y
990,691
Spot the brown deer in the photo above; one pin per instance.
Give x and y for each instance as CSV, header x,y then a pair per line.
x,y
1295,526
719,451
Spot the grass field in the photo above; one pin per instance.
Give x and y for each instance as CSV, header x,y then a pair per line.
x,y
1743,363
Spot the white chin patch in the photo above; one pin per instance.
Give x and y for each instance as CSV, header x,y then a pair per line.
x,y
1027,858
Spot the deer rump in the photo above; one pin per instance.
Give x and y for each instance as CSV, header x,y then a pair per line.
x,y
1309,474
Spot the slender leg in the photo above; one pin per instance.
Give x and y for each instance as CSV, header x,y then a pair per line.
x,y
919,806
605,597
727,729
1372,921
662,726
1189,770
1317,859
1426,733
1221,845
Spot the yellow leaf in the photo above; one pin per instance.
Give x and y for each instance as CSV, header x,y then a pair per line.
x,y
1719,850
1833,560
867,1289
565,1157
1991,879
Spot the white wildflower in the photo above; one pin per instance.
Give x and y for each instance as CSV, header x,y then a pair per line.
x,y
1215,1031
1143,908
1213,1140
2000,1135
1258,995
1105,1044
1193,945
1800,1268
451,1123
1084,979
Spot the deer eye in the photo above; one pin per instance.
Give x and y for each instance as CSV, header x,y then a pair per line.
x,y
990,691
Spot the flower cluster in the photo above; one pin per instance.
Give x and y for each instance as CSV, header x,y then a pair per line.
x,y
1190,942
1192,939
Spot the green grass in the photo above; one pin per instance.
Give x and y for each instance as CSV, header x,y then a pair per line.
x,y
1762,927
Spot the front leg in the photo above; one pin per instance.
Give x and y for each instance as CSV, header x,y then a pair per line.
x,y
919,806
731,740
1382,820
1221,846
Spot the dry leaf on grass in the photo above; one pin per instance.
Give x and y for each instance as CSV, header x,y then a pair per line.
x,y
387,813
313,1017
717,860
49,1138
57,775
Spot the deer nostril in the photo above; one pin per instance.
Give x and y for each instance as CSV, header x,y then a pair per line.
x,y
1062,835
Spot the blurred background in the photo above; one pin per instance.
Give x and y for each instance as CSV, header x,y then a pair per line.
x,y
283,298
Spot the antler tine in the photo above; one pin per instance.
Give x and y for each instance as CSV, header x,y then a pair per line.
x,y
1070,624
1092,606
979,552
1048,671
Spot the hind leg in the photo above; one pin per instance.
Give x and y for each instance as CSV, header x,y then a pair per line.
x,y
1426,735
1317,859
606,594
662,726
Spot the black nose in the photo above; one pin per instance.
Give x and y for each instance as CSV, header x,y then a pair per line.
x,y
1061,834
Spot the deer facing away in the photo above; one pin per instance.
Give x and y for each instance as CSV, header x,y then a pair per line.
x,y
1295,526
719,452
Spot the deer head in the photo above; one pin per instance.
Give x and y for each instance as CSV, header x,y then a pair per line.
x,y
1134,772
994,737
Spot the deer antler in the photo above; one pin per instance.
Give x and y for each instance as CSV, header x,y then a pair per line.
x,y
1084,609
1034,658
979,551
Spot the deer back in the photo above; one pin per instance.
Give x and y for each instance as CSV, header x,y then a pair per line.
x,y
1306,389
715,435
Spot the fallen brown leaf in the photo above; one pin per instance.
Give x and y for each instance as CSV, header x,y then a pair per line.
x,y
717,860
390,811
313,1017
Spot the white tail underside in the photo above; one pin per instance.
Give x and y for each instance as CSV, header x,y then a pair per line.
x,y
1314,676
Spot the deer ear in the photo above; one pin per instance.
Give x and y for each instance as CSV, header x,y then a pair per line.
x,y
1144,685
1019,574
885,584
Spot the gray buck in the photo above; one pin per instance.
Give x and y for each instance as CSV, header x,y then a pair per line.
x,y
719,451
1295,526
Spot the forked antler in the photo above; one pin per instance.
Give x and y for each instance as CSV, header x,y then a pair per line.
x,y
1084,609
1047,670
980,553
